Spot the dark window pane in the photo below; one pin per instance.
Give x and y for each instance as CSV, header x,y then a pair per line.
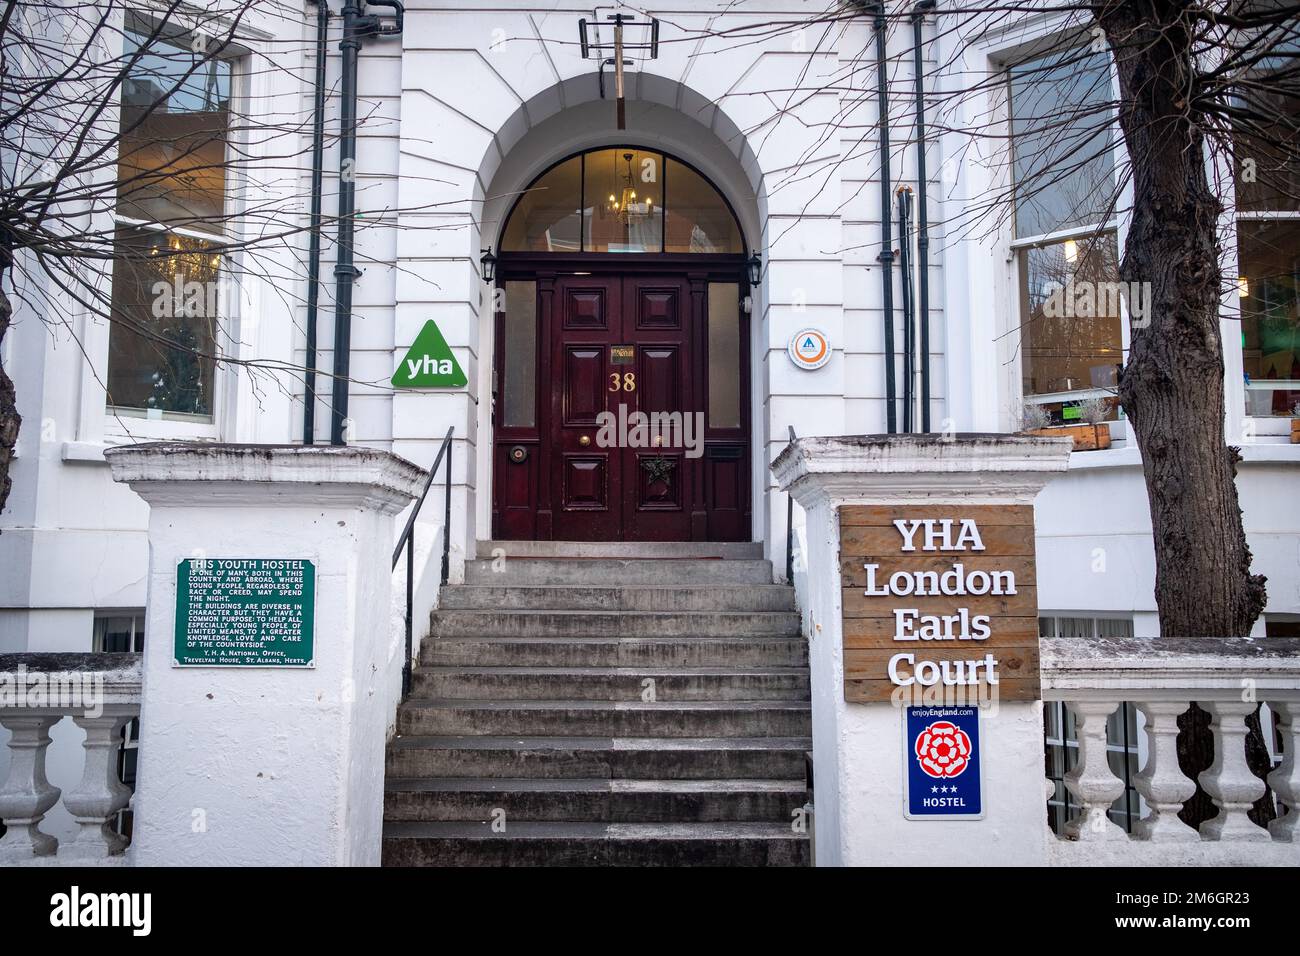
x,y
163,332
698,220
547,218
175,119
1266,134
724,355
624,197
1269,290
1070,337
1060,127
520,367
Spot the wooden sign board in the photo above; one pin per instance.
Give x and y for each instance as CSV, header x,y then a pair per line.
x,y
939,600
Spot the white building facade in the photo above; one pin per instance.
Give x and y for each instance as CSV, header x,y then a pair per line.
x,y
759,115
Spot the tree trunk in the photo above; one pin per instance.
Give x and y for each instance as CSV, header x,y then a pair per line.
x,y
9,419
1172,385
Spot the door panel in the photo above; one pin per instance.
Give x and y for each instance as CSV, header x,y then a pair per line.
x,y
584,378
586,308
656,505
587,479
585,482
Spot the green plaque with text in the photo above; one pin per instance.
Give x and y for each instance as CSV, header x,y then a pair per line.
x,y
245,612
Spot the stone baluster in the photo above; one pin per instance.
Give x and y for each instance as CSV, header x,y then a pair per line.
x,y
1228,780
1162,782
100,794
26,794
1091,781
1285,780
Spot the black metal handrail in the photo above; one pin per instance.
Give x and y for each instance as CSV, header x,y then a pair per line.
x,y
789,527
407,541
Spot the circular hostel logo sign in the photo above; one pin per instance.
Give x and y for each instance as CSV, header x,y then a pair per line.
x,y
943,750
809,349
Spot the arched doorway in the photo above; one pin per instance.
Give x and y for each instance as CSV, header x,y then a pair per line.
x,y
620,386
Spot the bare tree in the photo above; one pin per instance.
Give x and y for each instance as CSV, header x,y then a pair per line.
x,y
1205,96
139,189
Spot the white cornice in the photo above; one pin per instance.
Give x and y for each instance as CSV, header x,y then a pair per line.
x,y
956,469
219,475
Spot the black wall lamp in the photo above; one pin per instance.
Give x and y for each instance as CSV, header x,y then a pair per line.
x,y
755,267
489,264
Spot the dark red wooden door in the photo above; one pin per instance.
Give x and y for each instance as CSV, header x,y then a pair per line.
x,y
641,431
622,347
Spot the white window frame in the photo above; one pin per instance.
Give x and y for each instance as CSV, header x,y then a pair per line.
x,y
1015,245
1252,424
98,424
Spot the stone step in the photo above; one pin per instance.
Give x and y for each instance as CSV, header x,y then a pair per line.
x,y
623,623
618,571
629,758
659,652
594,844
741,550
737,718
479,799
612,683
752,597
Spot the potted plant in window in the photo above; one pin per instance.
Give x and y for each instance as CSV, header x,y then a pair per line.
x,y
1295,424
1095,434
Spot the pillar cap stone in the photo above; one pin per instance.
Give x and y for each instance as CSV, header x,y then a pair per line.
x,y
217,474
961,468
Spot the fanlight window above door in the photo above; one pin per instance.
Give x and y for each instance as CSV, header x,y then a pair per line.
x,y
622,199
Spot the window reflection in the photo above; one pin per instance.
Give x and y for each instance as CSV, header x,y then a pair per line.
x,y
698,220
547,217
1269,291
623,196
175,116
519,384
1060,128
724,347
164,324
622,199
1071,301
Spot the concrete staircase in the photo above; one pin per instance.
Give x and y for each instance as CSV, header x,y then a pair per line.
x,y
591,704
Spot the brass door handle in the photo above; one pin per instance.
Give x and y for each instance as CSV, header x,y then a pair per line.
x,y
584,441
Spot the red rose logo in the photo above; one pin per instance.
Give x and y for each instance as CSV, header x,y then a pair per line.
x,y
943,750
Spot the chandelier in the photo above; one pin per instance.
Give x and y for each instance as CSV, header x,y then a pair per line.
x,y
624,205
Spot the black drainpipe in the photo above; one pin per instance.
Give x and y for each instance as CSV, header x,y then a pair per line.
x,y
356,26
313,248
909,312
886,257
922,224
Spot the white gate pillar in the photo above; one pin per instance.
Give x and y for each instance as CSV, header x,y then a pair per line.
x,y
267,763
859,755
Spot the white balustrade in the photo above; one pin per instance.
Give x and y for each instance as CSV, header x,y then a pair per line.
x,y
1229,678
100,693
1091,780
1285,780
1162,783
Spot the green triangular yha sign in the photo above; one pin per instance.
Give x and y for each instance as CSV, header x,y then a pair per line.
x,y
429,363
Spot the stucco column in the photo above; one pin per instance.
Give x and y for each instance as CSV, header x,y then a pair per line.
x,y
858,748
279,764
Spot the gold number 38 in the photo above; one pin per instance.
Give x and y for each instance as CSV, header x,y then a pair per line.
x,y
625,382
